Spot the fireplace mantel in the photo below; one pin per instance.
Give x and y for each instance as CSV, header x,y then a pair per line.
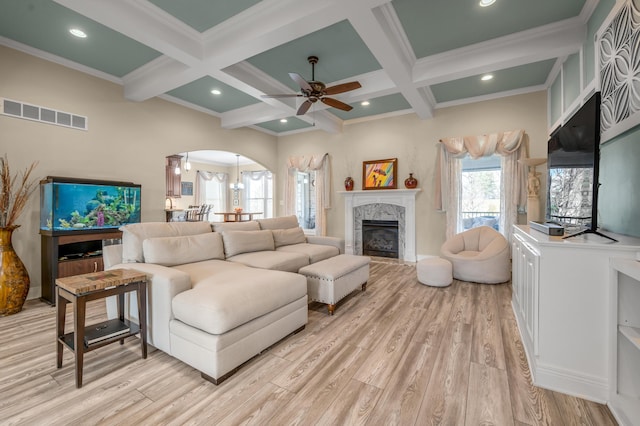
x,y
400,197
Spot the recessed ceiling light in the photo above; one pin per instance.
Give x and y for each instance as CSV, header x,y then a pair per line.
x,y
486,77
283,120
216,92
78,33
485,3
364,103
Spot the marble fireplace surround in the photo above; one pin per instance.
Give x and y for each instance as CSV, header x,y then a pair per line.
x,y
387,204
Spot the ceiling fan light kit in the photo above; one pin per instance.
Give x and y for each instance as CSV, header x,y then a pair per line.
x,y
315,91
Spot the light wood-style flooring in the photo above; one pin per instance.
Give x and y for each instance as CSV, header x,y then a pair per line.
x,y
398,353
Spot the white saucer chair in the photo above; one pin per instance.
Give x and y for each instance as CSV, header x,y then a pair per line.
x,y
479,255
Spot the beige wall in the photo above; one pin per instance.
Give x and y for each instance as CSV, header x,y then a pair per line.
x,y
129,141
126,141
414,142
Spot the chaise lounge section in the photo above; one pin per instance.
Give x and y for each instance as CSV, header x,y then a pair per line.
x,y
217,299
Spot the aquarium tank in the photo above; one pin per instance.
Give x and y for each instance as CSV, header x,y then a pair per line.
x,y
70,205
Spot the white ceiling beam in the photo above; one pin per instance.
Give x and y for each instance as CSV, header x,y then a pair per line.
x,y
323,120
382,33
252,114
145,23
260,28
266,25
158,76
546,42
257,29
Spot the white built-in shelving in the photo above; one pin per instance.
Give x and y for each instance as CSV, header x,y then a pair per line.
x,y
624,399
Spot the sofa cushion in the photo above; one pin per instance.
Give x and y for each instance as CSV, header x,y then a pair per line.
x,y
315,252
270,259
134,234
171,251
251,225
286,237
283,222
236,296
237,242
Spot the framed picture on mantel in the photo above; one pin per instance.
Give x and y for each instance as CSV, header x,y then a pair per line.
x,y
380,174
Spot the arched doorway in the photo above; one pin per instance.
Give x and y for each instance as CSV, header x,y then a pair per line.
x,y
220,180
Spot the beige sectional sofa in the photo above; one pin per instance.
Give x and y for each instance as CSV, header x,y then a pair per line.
x,y
217,299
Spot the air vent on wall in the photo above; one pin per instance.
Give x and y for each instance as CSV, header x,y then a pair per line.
x,y
42,114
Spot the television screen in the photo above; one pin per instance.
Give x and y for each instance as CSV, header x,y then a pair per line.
x,y
572,166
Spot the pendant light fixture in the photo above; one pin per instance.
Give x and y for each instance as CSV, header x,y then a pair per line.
x,y
237,185
187,164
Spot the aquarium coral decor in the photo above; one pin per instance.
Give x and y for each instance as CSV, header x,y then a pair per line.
x,y
14,278
70,205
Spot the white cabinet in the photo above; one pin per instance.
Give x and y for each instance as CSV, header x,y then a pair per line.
x,y
525,290
561,302
624,399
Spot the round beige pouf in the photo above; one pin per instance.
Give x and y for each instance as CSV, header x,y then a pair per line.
x,y
435,271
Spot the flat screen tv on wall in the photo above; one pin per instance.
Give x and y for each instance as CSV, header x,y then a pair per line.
x,y
572,170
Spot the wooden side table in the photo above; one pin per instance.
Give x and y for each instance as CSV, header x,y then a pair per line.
x,y
81,289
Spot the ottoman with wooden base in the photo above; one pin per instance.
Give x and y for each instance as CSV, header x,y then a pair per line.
x,y
330,280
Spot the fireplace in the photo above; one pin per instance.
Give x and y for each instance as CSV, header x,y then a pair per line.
x,y
385,204
380,238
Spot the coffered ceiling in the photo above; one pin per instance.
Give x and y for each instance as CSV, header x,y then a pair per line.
x,y
410,56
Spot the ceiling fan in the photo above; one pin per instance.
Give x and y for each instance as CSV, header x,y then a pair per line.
x,y
316,90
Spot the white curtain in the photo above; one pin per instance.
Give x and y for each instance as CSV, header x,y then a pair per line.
x,y
267,194
321,165
200,193
511,145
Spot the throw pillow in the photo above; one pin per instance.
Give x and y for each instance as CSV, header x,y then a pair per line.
x,y
251,225
237,242
172,251
134,234
284,222
287,237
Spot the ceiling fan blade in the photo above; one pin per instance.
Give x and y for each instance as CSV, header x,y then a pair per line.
x,y
341,88
292,95
301,81
304,107
336,104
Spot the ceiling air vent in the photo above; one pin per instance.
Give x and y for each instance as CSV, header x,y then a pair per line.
x,y
43,114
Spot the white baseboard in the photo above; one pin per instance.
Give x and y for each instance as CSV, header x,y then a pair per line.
x,y
592,388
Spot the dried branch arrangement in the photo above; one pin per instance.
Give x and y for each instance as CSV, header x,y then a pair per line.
x,y
14,191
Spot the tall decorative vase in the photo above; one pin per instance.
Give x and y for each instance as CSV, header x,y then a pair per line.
x,y
411,182
14,278
348,184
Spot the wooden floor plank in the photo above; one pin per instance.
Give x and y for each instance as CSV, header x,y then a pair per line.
x,y
313,400
401,398
487,337
465,302
488,400
398,353
384,358
531,405
352,406
443,402
259,409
